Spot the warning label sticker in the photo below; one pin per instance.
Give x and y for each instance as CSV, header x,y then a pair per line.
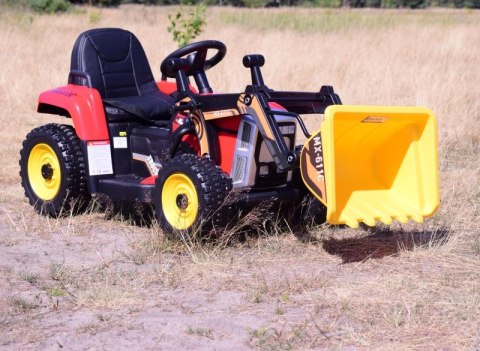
x,y
99,157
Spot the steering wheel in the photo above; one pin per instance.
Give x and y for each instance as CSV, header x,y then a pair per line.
x,y
197,63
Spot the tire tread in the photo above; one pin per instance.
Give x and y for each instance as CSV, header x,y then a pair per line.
x,y
71,156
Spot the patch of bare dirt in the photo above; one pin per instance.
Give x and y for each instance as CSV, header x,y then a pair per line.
x,y
92,283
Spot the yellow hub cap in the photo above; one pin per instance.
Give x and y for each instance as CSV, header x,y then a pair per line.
x,y
44,172
180,201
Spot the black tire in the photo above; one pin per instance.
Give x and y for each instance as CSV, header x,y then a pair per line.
x,y
189,195
308,211
311,212
58,188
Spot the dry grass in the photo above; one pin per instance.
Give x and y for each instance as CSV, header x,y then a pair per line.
x,y
83,281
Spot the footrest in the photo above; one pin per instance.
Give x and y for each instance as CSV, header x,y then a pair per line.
x,y
127,188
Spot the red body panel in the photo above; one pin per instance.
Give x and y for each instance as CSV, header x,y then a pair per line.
x,y
85,107
274,105
167,87
149,180
227,141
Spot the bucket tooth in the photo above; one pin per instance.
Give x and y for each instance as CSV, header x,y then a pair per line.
x,y
379,212
352,223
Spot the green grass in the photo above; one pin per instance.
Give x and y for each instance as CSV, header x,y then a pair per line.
x,y
328,20
56,292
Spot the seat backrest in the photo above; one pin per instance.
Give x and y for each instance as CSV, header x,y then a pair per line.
x,y
115,61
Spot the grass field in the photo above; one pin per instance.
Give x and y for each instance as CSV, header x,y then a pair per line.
x,y
96,282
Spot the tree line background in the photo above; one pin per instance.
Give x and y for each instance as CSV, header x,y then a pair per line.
x,y
52,6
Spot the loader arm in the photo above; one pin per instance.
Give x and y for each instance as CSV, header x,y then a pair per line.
x,y
256,102
305,103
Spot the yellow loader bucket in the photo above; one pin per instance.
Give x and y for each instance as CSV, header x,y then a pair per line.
x,y
370,163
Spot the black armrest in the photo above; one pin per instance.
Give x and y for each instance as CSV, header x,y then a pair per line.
x,y
80,74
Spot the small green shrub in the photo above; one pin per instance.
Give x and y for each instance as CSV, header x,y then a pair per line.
x,y
95,17
56,292
49,6
186,26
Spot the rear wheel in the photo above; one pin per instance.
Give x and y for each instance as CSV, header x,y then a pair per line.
x,y
52,169
189,194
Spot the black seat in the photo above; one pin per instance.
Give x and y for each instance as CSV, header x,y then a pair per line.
x,y
118,68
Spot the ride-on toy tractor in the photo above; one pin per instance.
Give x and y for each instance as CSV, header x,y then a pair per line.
x,y
187,150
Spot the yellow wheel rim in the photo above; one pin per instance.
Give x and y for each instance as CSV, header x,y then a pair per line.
x,y
44,172
179,201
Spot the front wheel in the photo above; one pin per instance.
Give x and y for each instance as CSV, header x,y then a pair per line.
x,y
189,194
52,168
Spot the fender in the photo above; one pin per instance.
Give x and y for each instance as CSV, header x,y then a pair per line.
x,y
84,105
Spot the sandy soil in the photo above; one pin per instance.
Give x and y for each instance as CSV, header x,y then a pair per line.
x,y
90,283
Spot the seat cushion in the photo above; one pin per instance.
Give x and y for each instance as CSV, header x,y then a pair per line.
x,y
153,106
